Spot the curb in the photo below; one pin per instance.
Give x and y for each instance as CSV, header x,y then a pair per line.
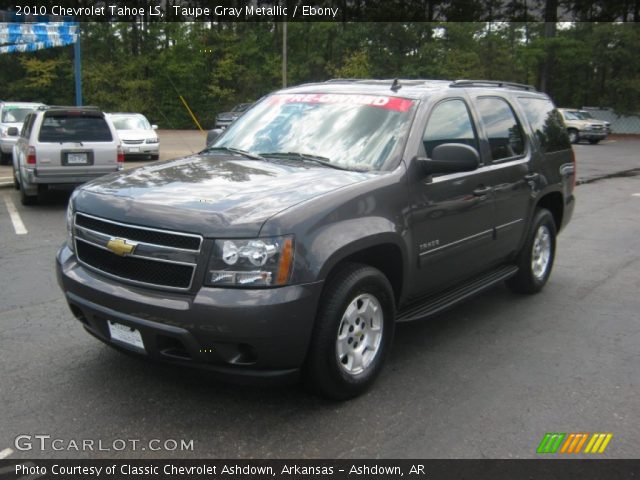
x,y
632,172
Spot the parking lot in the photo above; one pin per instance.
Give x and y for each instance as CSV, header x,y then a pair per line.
x,y
486,379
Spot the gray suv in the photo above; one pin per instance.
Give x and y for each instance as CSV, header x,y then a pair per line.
x,y
318,220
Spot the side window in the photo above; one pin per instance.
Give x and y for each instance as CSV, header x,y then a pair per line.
x,y
546,122
503,130
450,122
28,124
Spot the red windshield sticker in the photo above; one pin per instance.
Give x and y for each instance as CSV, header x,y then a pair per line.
x,y
380,101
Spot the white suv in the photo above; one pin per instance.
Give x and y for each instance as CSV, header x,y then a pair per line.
x,y
64,147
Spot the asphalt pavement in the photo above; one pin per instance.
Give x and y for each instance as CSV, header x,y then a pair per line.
x,y
486,379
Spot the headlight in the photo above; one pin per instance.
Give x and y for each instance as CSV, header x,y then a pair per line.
x,y
247,263
152,140
70,225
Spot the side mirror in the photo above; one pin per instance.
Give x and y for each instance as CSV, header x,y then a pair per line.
x,y
13,131
154,127
450,158
212,135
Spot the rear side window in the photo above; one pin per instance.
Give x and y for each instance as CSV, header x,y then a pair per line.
x,y
74,128
450,122
546,123
28,125
503,130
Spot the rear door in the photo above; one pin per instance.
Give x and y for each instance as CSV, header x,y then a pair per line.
x,y
513,179
75,142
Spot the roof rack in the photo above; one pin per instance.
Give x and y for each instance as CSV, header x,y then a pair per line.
x,y
68,107
492,83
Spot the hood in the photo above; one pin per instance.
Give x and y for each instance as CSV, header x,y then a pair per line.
x,y
209,195
12,124
136,134
585,123
227,115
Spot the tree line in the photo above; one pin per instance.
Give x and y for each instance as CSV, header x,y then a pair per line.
x,y
144,66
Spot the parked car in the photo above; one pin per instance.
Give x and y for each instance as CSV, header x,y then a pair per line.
x,y
317,221
137,135
225,119
586,115
12,115
62,147
581,128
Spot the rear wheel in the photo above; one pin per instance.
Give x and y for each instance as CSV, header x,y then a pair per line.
x,y
535,260
5,158
16,183
25,198
594,141
573,135
353,333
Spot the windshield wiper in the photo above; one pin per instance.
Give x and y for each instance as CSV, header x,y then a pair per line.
x,y
238,151
306,157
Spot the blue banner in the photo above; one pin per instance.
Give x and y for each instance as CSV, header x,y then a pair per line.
x,y
29,37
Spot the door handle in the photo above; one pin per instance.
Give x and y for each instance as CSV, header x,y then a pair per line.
x,y
481,191
531,176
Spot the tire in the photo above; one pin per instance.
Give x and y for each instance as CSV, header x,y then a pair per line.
x,y
573,136
25,198
594,141
5,158
16,184
335,367
534,265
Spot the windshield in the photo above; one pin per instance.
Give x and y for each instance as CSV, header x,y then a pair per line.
x,y
241,108
360,132
15,114
585,115
130,122
572,115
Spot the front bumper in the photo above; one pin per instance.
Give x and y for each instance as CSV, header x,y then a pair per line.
x,y
592,134
141,149
240,333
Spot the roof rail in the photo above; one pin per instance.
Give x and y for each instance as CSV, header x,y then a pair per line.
x,y
340,80
493,83
68,107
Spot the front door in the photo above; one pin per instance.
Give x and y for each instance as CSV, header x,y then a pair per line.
x,y
452,214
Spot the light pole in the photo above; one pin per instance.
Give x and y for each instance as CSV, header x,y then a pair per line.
x,y
284,54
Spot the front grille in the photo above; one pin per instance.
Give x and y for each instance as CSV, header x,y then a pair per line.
x,y
133,142
140,234
135,268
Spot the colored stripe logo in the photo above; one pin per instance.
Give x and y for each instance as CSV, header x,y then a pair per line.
x,y
574,442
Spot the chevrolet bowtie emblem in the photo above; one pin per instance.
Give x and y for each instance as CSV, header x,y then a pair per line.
x,y
120,247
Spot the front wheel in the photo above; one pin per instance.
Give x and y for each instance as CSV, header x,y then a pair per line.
x,y
594,141
535,260
353,333
573,136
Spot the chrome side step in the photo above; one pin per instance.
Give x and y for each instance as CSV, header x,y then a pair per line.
x,y
432,304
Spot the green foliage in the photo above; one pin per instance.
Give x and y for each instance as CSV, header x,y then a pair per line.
x,y
145,67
